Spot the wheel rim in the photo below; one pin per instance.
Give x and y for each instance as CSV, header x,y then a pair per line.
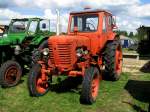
x,y
95,86
11,74
41,86
118,60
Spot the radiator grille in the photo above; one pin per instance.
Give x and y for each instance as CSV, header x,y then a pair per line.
x,y
62,53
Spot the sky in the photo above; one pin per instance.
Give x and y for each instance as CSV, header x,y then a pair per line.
x,y
130,14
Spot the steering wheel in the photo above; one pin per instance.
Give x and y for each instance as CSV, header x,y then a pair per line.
x,y
88,27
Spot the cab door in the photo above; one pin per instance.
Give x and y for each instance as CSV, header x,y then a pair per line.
x,y
31,33
92,25
104,31
110,27
32,30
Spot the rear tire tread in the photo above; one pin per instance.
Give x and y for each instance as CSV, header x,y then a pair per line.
x,y
109,60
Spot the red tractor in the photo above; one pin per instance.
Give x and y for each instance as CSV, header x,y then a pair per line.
x,y
89,46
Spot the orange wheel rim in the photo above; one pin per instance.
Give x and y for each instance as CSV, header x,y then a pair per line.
x,y
41,86
11,74
118,61
95,86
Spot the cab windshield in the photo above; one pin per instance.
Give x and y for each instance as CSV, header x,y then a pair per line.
x,y
85,23
19,26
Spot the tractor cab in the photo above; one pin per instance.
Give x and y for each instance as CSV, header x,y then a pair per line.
x,y
91,22
26,29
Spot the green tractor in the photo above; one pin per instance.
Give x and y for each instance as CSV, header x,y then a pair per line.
x,y
17,47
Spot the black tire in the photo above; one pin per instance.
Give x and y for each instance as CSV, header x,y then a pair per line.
x,y
10,74
86,94
34,74
109,59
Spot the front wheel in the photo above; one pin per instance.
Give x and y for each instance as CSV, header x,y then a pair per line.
x,y
90,85
10,73
37,87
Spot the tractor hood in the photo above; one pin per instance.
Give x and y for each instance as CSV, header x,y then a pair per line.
x,y
76,40
11,39
62,50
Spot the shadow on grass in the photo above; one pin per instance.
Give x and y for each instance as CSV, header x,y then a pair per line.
x,y
140,90
70,84
145,68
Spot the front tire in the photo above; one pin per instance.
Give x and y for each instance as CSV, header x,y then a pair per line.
x,y
36,86
113,60
90,85
10,74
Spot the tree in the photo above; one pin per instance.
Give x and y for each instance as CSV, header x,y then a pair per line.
x,y
122,33
131,35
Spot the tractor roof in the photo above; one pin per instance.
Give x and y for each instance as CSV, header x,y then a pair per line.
x,y
26,19
90,11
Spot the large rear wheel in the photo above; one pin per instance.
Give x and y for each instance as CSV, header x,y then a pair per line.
x,y
37,87
90,85
113,60
10,73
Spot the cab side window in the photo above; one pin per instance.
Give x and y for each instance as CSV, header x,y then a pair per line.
x,y
33,27
110,22
44,25
104,24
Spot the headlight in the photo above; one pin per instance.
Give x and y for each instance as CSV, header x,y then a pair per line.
x,y
45,51
80,52
86,52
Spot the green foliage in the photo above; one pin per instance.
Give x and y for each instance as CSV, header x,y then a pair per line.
x,y
131,35
135,36
119,32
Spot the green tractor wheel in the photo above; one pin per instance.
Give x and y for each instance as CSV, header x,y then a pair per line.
x,y
10,74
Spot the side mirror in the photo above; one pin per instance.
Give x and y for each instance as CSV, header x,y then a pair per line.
x,y
44,25
114,26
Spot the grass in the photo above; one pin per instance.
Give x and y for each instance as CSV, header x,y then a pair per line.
x,y
120,96
126,50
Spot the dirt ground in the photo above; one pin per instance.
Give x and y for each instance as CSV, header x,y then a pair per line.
x,y
135,66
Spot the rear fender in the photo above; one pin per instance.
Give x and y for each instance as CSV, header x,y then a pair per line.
x,y
38,41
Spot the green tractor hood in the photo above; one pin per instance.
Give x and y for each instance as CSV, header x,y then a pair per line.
x,y
11,39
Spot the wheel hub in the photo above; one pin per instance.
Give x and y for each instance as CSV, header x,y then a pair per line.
x,y
11,74
41,85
